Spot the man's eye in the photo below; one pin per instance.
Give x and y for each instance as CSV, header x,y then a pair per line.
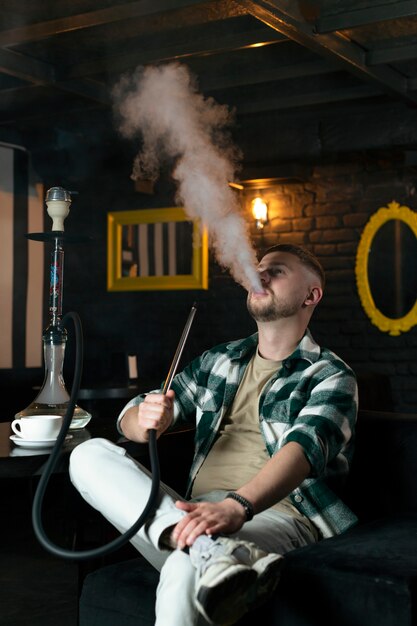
x,y
272,271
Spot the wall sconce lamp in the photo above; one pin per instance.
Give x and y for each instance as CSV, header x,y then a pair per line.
x,y
260,212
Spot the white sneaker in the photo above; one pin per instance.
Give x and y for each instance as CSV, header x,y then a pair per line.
x,y
232,577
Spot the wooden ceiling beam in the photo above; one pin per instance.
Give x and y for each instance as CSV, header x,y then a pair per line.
x,y
110,15
366,16
286,18
26,68
309,99
265,74
202,46
90,89
43,74
391,55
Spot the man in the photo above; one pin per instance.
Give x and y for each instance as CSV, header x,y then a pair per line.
x,y
275,417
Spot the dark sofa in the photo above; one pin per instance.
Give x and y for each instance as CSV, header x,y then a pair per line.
x,y
365,577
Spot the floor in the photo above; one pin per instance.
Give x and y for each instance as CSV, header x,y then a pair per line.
x,y
36,587
36,590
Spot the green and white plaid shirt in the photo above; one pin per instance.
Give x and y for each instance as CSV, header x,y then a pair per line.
x,y
311,399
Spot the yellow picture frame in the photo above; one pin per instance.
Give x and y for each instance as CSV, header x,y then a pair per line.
x,y
386,324
154,222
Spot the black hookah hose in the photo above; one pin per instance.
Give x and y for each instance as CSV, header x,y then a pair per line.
x,y
53,458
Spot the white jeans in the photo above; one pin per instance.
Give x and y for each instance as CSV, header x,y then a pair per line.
x,y
117,486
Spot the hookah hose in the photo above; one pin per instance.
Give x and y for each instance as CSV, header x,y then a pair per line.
x,y
53,458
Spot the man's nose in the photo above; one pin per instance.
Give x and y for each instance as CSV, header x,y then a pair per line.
x,y
264,276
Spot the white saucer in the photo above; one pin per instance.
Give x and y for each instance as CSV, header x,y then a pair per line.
x,y
35,444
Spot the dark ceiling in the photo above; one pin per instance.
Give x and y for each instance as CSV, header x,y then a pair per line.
x,y
60,59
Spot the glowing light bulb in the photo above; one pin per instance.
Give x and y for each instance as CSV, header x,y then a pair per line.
x,y
260,212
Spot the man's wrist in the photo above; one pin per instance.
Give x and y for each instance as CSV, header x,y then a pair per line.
x,y
248,507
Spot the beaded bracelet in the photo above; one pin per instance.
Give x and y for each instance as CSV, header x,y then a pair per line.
x,y
245,503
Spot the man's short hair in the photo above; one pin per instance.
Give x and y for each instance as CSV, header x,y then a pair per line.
x,y
306,257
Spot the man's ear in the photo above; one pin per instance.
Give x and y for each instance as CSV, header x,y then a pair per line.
x,y
314,296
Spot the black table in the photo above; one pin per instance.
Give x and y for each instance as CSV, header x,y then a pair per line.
x,y
20,462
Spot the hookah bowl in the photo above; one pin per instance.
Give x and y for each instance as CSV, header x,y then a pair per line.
x,y
53,398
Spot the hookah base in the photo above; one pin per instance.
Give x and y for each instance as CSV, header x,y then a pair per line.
x,y
79,420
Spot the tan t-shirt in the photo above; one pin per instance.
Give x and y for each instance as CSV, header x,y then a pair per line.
x,y
239,452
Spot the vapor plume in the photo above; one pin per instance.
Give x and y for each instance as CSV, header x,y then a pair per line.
x,y
162,105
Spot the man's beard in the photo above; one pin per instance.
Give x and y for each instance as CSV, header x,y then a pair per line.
x,y
272,310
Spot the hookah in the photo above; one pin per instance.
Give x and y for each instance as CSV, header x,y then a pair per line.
x,y
152,501
53,398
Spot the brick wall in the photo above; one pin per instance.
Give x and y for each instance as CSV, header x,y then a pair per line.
x,y
327,214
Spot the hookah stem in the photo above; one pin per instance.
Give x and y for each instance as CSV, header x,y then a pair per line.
x,y
179,351
56,281
173,369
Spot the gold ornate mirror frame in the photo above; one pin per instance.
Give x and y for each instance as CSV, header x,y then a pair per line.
x,y
148,219
392,212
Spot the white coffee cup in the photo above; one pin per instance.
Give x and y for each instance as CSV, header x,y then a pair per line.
x,y
38,427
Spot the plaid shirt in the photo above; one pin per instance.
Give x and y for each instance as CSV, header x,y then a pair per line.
x,y
311,399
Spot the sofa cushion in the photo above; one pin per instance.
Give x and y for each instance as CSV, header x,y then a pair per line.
x,y
122,594
367,576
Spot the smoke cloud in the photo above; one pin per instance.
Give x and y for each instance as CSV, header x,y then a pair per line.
x,y
163,106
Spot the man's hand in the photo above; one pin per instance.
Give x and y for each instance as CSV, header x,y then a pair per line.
x,y
154,413
207,518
